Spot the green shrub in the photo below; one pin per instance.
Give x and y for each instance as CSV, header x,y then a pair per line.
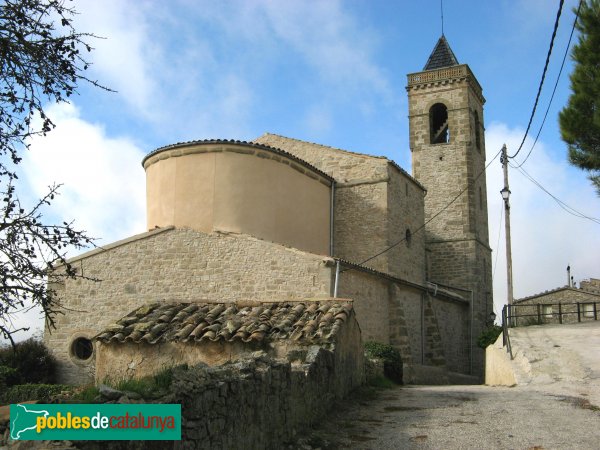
x,y
381,383
8,376
392,360
152,386
32,362
23,392
489,336
86,394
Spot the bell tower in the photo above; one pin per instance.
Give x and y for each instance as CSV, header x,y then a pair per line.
x,y
448,158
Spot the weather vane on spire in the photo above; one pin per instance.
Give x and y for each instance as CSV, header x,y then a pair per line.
x,y
442,11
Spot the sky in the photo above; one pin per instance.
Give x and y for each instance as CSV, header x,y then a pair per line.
x,y
328,71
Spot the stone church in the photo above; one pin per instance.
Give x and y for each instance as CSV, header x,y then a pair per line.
x,y
279,219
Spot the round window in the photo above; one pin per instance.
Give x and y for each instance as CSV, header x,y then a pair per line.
x,y
82,349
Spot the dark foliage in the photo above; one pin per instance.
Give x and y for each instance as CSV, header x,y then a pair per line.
x,y
392,360
41,63
489,336
580,119
29,361
43,393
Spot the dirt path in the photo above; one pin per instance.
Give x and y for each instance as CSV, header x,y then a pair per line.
x,y
461,417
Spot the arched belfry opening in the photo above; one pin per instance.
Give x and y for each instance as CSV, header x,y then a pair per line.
x,y
445,105
438,124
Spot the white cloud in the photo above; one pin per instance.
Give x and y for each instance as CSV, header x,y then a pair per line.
x,y
124,58
329,39
103,181
545,239
103,184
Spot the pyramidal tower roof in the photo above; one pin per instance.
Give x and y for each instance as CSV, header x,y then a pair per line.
x,y
442,56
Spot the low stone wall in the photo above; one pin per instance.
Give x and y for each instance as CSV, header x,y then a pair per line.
x,y
255,403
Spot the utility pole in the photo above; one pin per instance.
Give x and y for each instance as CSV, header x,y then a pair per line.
x,y
506,196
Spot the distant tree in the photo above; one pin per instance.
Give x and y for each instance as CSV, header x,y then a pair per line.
x,y
580,119
40,63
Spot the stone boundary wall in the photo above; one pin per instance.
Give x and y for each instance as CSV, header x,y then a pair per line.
x,y
176,265
254,403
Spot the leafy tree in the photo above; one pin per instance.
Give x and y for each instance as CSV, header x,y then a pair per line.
x,y
41,63
580,119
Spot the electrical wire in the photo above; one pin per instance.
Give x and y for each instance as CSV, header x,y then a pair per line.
x,y
555,85
537,98
432,217
560,203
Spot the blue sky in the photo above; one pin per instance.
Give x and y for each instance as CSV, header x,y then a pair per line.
x,y
332,72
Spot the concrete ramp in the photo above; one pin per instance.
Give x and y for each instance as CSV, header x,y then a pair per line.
x,y
549,357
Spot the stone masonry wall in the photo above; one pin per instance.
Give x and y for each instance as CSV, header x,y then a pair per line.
x,y
591,285
360,224
457,240
568,297
406,213
405,323
344,166
370,301
425,329
375,204
176,265
453,327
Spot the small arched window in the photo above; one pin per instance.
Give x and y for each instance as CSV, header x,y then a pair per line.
x,y
477,125
408,237
438,124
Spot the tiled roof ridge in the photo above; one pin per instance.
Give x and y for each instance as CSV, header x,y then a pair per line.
x,y
389,161
238,142
552,291
305,322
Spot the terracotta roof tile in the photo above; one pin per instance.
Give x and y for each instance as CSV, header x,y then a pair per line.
x,y
308,322
241,143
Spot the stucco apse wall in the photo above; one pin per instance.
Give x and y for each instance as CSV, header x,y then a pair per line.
x,y
240,188
176,265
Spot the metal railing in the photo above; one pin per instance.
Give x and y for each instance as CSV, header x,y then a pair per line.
x,y
544,313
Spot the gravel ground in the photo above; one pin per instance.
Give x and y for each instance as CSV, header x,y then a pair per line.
x,y
555,406
460,417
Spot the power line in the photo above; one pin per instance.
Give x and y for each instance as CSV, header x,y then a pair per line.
x,y
543,77
560,203
555,86
432,217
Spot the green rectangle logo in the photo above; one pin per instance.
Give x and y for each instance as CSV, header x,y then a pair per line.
x,y
114,422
